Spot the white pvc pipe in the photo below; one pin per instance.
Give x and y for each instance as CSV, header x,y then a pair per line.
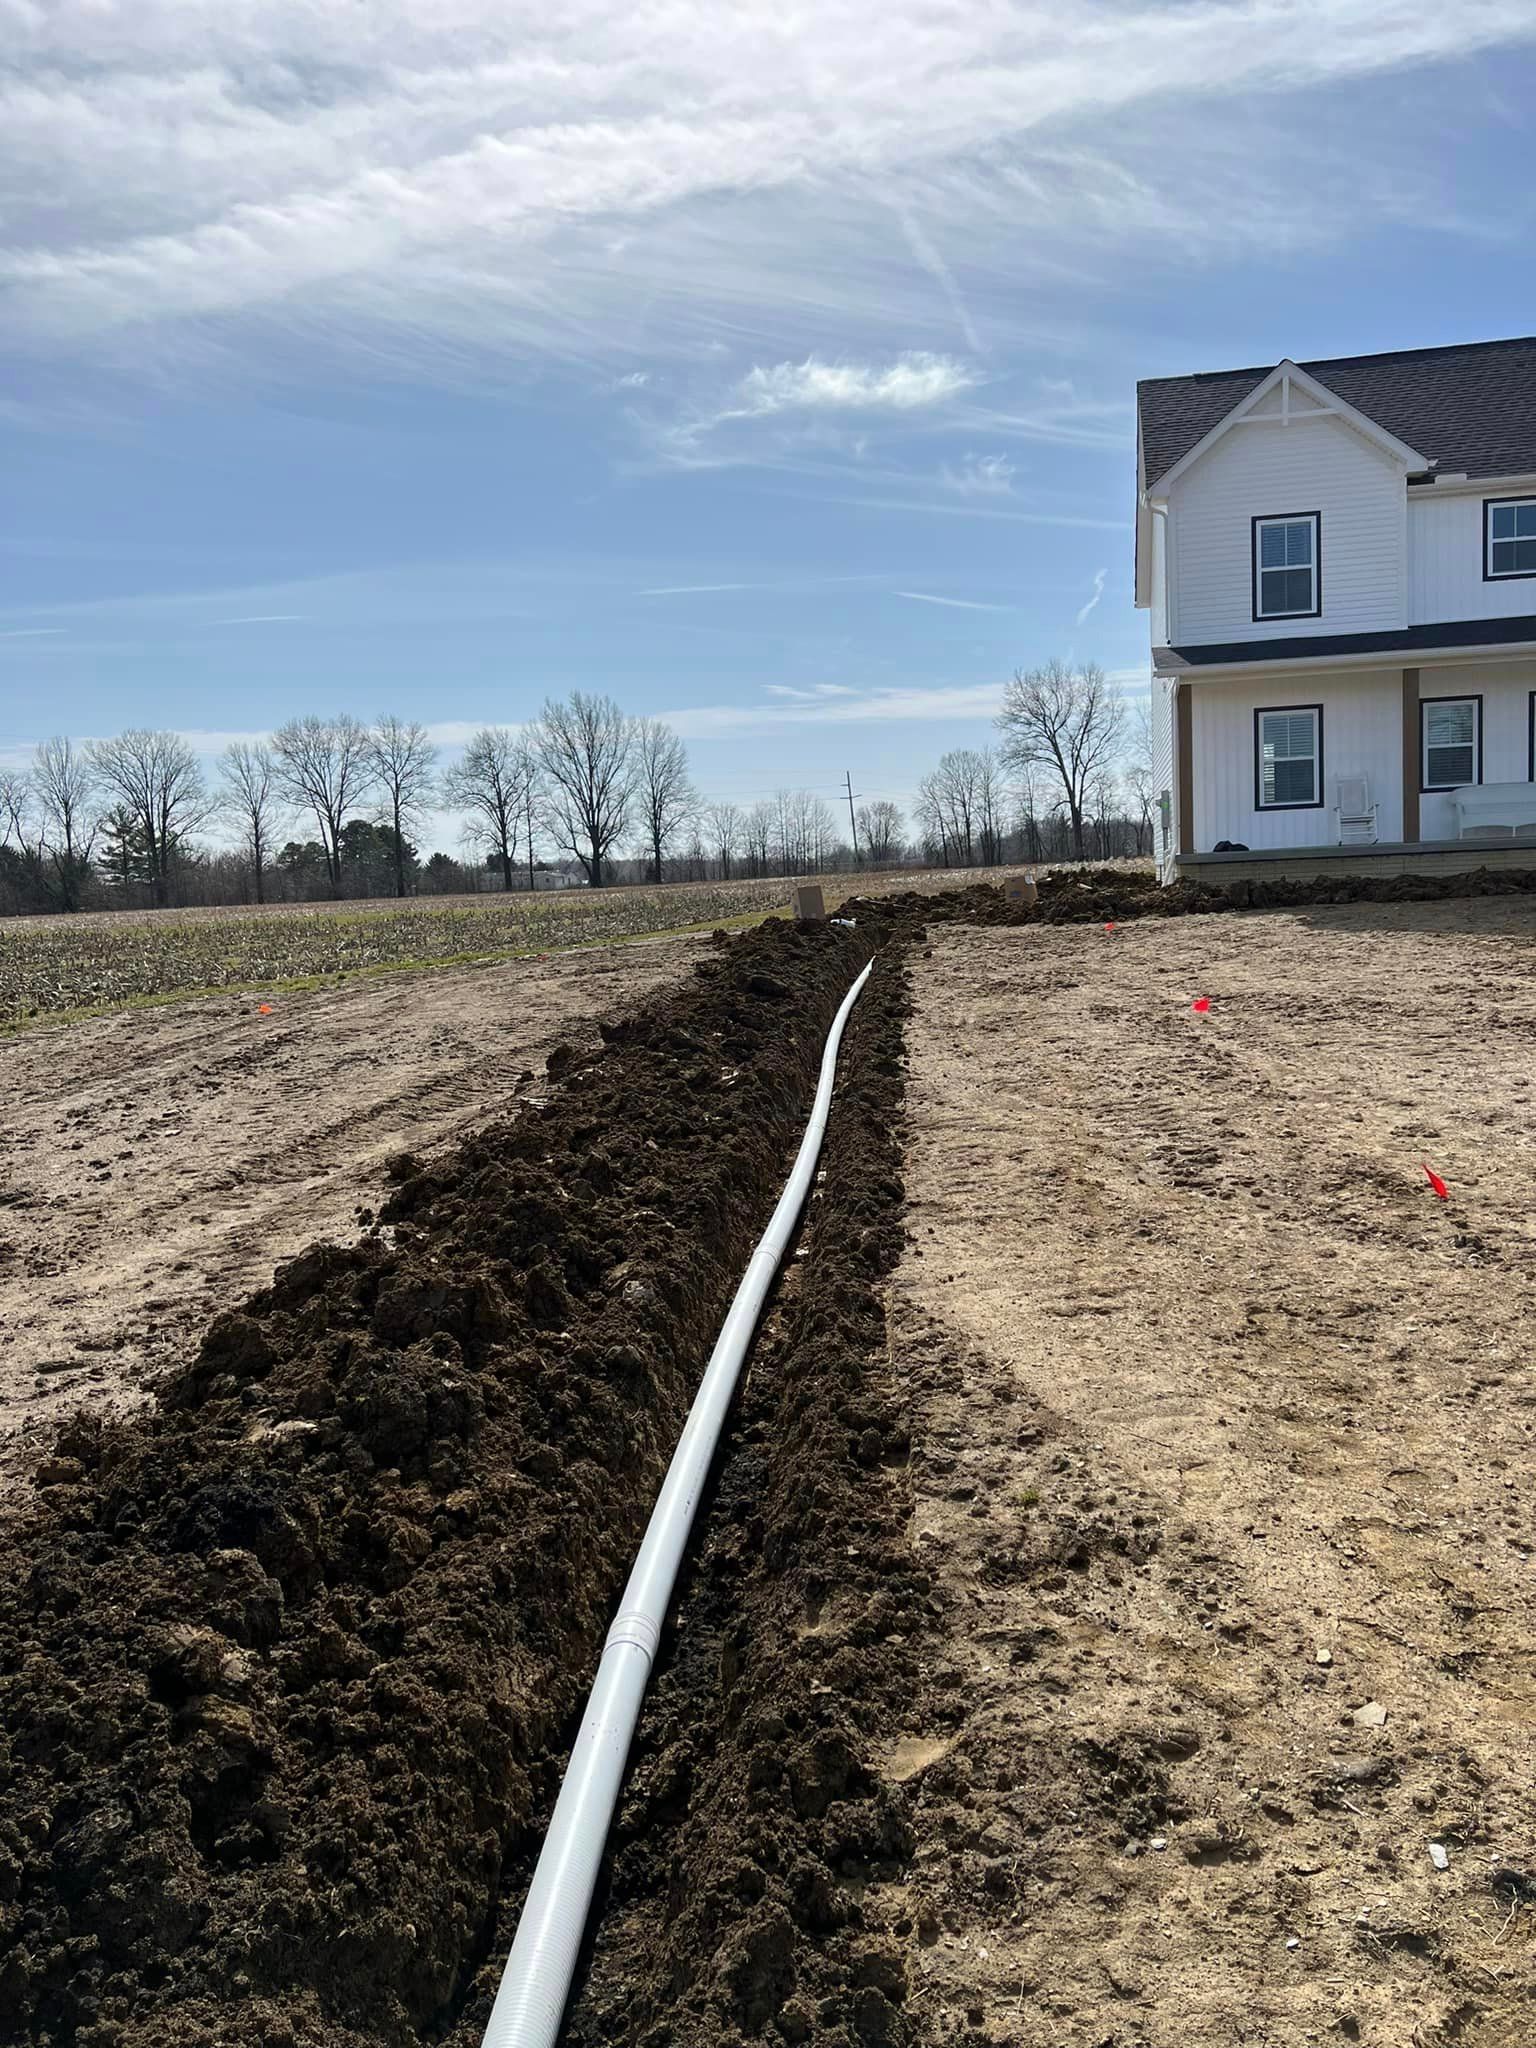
x,y
530,2001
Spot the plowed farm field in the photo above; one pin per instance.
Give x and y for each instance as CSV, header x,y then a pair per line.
x,y
1109,1625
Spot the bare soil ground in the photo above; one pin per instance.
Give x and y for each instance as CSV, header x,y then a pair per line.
x,y
289,1660
158,1163
1222,1433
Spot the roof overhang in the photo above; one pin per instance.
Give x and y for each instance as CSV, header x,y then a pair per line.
x,y
1170,665
1289,377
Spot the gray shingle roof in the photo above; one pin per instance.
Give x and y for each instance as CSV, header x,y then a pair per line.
x,y
1468,407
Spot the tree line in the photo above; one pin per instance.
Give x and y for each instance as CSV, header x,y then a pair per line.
x,y
586,794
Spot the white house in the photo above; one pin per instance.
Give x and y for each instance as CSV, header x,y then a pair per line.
x,y
1340,563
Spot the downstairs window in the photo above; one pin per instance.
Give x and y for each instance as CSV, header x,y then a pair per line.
x,y
1451,729
1290,758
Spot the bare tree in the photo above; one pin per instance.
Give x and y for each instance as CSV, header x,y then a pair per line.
x,y
991,796
757,836
1069,722
250,796
63,785
403,763
1139,797
664,796
155,776
880,831
725,825
324,767
586,749
497,783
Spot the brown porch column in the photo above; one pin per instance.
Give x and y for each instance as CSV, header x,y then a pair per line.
x,y
1184,731
1410,755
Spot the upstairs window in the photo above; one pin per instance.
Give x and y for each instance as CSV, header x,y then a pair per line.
x,y
1509,538
1451,729
1286,583
1290,758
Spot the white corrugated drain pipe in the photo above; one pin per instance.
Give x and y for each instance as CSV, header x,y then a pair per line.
x,y
530,2002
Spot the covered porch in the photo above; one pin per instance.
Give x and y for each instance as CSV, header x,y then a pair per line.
x,y
1310,770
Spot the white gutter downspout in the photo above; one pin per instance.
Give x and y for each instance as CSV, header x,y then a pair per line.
x,y
536,1983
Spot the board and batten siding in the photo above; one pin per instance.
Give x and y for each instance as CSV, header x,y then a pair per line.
x,y
1445,564
1362,735
1319,465
1505,688
1165,781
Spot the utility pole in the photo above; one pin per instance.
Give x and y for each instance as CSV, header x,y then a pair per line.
x,y
852,821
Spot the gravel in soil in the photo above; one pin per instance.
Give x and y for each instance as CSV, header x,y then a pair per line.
x,y
159,1163
290,1661
1223,1469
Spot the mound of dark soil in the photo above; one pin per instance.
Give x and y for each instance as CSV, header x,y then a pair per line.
x,y
289,1663
1102,895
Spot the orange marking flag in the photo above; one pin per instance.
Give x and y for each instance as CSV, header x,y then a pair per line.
x,y
263,1009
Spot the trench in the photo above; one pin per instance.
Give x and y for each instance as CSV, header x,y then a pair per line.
x,y
291,1662
752,1886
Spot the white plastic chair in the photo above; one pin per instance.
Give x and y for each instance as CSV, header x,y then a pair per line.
x,y
1355,811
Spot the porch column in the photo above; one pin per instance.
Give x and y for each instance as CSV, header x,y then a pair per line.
x,y
1184,735
1410,755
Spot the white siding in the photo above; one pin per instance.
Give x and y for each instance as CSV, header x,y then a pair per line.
x,y
1445,565
1362,735
1310,465
1165,787
1505,688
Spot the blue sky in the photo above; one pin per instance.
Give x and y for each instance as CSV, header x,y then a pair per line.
x,y
773,372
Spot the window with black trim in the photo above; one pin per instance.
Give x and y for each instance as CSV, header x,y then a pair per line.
x,y
1509,538
1451,741
1286,579
1289,773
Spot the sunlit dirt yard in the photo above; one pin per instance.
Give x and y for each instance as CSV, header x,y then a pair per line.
x,y
1223,1450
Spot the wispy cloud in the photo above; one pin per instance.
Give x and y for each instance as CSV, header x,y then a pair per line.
x,y
911,381
505,176
1097,593
940,703
694,589
30,632
262,619
960,604
815,694
979,476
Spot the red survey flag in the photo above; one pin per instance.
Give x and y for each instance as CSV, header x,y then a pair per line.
x,y
1436,1182
1201,1004
1110,926
263,1009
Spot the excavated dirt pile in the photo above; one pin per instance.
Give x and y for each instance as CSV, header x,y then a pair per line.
x,y
291,1663
1119,895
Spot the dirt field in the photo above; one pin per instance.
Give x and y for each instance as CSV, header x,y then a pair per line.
x,y
1130,1418
157,1164
1222,1435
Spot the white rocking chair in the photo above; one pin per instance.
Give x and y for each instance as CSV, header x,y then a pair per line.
x,y
1355,811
